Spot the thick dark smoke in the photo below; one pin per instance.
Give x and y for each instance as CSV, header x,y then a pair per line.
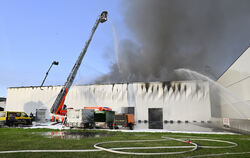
x,y
205,36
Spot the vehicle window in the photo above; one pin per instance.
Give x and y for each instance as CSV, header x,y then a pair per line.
x,y
2,114
18,114
12,115
25,115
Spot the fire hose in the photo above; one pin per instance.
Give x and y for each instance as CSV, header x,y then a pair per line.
x,y
191,145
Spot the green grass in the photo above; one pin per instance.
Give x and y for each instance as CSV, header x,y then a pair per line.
x,y
27,139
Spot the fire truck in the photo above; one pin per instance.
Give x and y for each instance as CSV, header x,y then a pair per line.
x,y
90,117
59,109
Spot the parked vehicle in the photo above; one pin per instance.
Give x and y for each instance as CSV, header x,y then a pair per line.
x,y
99,108
11,118
124,120
81,118
98,117
104,119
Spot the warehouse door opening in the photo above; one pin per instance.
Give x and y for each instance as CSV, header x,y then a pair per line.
x,y
155,118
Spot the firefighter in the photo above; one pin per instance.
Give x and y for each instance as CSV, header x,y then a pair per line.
x,y
32,116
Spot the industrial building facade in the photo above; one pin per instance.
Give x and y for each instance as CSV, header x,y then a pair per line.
x,y
235,104
154,104
237,80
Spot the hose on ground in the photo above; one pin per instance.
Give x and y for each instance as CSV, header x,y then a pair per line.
x,y
193,145
164,138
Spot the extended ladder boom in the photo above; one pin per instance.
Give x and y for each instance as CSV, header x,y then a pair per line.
x,y
57,107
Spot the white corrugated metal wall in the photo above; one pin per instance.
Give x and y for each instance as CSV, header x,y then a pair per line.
x,y
186,100
237,80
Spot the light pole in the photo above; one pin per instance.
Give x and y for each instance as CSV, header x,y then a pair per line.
x,y
53,63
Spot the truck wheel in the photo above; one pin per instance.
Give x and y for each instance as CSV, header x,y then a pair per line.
x,y
131,126
91,126
28,122
11,124
110,125
116,127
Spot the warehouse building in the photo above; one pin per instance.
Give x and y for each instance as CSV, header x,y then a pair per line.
x,y
235,106
154,104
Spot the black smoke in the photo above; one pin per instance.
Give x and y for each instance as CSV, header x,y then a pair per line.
x,y
205,36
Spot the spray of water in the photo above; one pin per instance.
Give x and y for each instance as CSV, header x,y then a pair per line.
x,y
224,103
116,46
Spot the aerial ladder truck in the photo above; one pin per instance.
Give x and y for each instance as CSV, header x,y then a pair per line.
x,y
59,109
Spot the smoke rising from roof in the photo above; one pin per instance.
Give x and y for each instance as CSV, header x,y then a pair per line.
x,y
205,36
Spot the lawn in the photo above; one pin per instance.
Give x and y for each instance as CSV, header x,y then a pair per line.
x,y
34,139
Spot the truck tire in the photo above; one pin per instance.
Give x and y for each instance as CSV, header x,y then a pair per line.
x,y
10,124
91,125
111,126
28,122
20,125
131,126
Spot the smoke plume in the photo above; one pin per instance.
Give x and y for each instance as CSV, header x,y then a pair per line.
x,y
205,36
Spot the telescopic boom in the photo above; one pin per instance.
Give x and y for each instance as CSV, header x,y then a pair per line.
x,y
57,107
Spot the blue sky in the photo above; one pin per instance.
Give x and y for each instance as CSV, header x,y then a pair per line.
x,y
34,33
